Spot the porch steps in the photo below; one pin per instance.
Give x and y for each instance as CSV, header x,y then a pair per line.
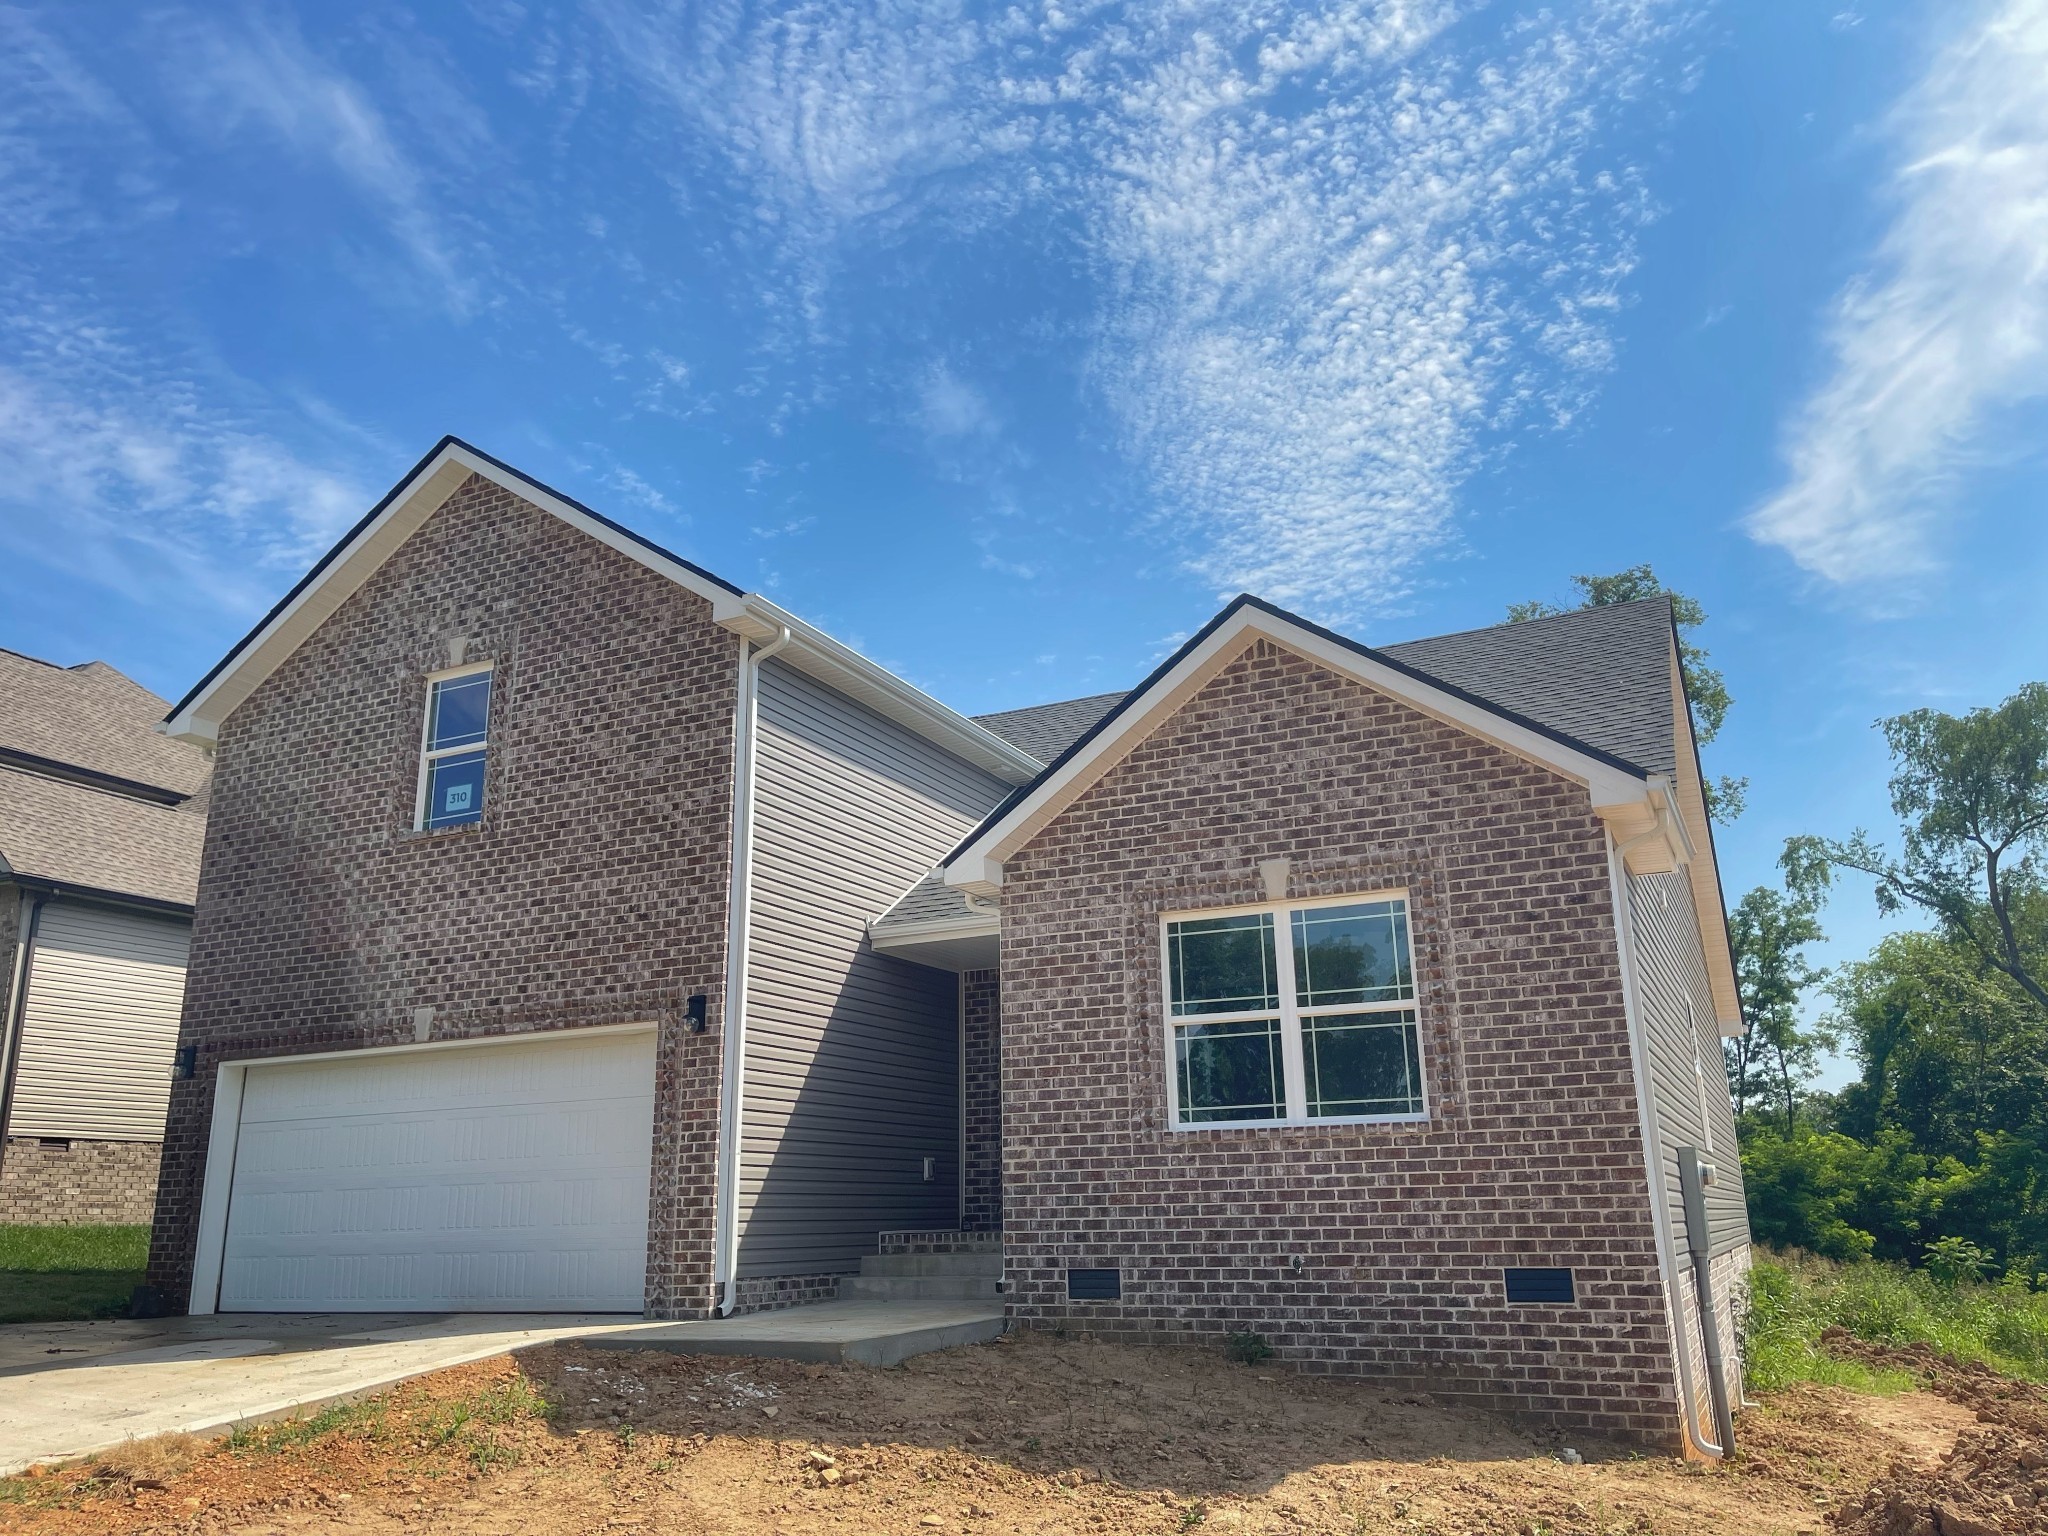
x,y
971,1272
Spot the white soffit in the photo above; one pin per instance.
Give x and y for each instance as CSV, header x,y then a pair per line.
x,y
1628,800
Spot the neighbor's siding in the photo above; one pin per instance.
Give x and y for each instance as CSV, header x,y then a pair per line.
x,y
101,1024
853,1058
1688,1087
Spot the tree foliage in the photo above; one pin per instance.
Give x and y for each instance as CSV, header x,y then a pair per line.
x,y
1706,690
1971,795
1777,1055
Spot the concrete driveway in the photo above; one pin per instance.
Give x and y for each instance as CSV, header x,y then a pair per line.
x,y
69,1389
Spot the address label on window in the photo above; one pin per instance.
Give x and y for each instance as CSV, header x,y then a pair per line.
x,y
457,798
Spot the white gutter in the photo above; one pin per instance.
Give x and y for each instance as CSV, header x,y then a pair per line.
x,y
739,905
1653,1147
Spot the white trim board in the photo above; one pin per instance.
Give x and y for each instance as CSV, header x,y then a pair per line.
x,y
1636,805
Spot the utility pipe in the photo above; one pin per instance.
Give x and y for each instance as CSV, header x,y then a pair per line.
x,y
17,1011
739,915
1694,1175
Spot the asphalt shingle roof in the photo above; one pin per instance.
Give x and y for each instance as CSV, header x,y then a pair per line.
x,y
96,718
57,829
1047,730
1601,676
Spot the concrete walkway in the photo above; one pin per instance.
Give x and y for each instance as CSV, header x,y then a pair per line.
x,y
880,1333
70,1389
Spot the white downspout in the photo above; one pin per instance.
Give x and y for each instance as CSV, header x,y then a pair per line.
x,y
739,913
1653,1146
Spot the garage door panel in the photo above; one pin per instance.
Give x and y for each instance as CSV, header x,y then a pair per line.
x,y
503,1177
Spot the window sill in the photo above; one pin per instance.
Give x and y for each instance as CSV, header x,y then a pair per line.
x,y
419,834
1317,1124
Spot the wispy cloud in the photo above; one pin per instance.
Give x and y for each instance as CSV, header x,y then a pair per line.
x,y
1331,245
1949,324
253,76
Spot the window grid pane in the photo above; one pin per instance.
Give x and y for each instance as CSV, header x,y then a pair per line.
x,y
1229,1071
455,790
1352,954
1223,965
1363,1064
461,708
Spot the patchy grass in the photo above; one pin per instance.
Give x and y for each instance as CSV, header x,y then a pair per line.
x,y
1795,1297
62,1274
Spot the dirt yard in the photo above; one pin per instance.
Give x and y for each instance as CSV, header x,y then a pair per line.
x,y
1036,1436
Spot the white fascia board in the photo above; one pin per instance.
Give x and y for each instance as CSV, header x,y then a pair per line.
x,y
841,667
1619,797
416,499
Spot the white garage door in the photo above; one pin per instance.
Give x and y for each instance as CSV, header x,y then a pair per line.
x,y
503,1177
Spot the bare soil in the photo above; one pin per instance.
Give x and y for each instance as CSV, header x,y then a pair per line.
x,y
1034,1436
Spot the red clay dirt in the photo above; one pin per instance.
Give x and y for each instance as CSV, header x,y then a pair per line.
x,y
1033,1436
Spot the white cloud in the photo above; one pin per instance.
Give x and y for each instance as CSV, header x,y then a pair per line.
x,y
255,77
1332,245
132,473
1948,326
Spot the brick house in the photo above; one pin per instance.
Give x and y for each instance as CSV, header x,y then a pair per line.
x,y
577,931
101,820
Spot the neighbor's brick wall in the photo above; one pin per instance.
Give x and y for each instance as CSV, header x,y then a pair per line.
x,y
60,1183
1531,1154
592,892
982,1112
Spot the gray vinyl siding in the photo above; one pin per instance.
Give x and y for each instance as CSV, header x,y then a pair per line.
x,y
100,1025
852,1058
1671,973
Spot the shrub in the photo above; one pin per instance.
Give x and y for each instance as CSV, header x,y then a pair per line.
x,y
1248,1348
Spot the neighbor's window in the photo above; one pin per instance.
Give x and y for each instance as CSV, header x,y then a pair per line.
x,y
1294,1014
452,764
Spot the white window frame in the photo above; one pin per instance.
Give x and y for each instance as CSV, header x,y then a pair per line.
x,y
1293,1064
430,754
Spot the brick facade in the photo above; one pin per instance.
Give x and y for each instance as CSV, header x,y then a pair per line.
x,y
593,891
981,1109
49,1183
1373,1249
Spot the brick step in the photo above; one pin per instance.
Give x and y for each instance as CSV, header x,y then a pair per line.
x,y
986,1265
918,1288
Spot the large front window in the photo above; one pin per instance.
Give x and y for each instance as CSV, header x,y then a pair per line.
x,y
1294,1014
452,762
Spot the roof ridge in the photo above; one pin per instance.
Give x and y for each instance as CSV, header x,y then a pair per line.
x,y
54,666
1079,698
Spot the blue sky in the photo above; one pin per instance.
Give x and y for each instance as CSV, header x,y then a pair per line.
x,y
1006,344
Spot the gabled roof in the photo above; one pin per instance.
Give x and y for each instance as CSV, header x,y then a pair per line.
x,y
93,718
1597,681
1633,797
386,526
91,797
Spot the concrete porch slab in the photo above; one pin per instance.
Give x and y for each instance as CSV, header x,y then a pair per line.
x,y
878,1333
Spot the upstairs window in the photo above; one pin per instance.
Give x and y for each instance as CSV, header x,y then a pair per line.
x,y
1293,1015
451,792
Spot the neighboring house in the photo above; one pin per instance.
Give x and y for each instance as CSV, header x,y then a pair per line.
x,y
578,931
101,820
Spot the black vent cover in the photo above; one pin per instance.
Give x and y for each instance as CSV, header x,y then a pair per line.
x,y
1095,1285
1551,1286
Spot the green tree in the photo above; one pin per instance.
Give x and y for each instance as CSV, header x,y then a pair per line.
x,y
1706,690
1971,795
1777,1056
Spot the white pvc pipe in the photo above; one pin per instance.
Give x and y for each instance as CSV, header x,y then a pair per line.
x,y
739,903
